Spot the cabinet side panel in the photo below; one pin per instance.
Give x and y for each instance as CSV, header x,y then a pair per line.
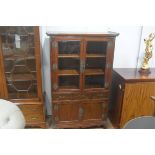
x,y
116,97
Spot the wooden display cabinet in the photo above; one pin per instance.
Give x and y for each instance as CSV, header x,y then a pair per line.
x,y
81,68
132,95
20,71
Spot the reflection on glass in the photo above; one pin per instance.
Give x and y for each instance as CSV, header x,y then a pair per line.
x,y
19,61
95,63
94,81
69,47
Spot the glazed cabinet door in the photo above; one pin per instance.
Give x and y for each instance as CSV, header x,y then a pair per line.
x,y
66,60
139,100
20,55
98,62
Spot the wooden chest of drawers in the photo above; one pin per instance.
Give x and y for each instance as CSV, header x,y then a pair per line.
x,y
133,95
34,114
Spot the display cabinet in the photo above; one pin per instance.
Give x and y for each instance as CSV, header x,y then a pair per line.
x,y
20,66
81,66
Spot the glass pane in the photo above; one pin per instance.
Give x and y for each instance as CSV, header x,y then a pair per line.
x,y
95,63
94,81
19,61
69,82
96,47
69,47
69,64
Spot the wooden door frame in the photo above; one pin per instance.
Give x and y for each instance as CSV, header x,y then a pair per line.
x,y
3,90
38,62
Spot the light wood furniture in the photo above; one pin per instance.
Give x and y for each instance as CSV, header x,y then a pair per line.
x,y
20,71
81,68
133,95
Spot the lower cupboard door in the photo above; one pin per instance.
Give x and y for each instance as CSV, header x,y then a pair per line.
x,y
94,110
66,112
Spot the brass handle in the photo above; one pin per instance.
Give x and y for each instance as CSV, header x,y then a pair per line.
x,y
153,98
82,66
120,86
34,118
81,112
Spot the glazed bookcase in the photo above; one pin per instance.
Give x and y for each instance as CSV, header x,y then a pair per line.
x,y
81,66
20,71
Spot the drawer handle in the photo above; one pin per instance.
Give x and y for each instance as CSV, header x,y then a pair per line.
x,y
33,109
34,118
120,86
153,98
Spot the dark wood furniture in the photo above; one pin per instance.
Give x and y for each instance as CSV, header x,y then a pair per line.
x,y
81,68
133,95
20,71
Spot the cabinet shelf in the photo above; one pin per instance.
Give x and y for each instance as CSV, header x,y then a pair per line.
x,y
20,58
68,72
23,95
68,87
21,35
21,77
68,56
95,56
94,72
92,86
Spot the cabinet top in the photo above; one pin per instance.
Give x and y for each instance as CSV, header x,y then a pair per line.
x,y
86,34
133,74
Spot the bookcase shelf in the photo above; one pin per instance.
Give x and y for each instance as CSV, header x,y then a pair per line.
x,y
68,72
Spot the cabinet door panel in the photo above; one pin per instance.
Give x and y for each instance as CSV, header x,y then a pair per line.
x,y
137,101
66,111
94,110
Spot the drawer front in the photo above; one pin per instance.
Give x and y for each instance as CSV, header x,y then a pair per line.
x,y
80,96
30,118
32,113
31,109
